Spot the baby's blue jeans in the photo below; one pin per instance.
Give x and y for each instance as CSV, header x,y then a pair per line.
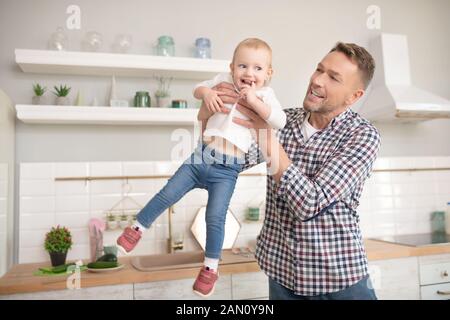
x,y
206,169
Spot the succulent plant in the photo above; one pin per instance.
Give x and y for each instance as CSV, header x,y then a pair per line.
x,y
38,90
110,217
62,91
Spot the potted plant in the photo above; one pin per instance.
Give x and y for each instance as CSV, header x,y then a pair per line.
x,y
57,242
162,95
61,95
124,221
38,98
111,221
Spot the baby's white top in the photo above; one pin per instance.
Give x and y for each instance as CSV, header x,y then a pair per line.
x,y
222,125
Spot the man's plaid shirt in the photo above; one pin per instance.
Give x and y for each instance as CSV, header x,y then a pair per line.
x,y
310,241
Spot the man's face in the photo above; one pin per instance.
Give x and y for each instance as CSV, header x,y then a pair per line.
x,y
333,85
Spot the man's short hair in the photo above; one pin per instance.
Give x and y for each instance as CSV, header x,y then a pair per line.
x,y
360,56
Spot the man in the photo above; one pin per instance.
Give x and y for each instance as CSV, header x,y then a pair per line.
x,y
310,245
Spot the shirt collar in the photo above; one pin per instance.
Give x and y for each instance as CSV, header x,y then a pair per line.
x,y
302,114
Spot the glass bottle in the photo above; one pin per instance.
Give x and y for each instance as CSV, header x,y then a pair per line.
x,y
58,40
142,99
203,48
165,47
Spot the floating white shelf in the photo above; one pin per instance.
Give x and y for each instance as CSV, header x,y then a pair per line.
x,y
105,115
107,64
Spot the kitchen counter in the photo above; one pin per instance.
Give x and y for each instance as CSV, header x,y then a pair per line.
x,y
20,278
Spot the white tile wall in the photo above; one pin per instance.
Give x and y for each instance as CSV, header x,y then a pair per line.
x,y
392,202
402,202
45,203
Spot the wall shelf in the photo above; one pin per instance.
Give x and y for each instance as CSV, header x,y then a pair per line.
x,y
108,64
49,114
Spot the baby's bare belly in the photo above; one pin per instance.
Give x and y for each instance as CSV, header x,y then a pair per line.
x,y
223,146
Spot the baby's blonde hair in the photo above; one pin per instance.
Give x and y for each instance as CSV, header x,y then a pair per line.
x,y
254,43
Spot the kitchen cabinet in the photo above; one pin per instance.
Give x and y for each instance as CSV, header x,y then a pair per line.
x,y
251,285
115,292
395,279
435,277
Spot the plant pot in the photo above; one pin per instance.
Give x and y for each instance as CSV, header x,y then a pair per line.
x,y
39,100
62,101
58,258
163,102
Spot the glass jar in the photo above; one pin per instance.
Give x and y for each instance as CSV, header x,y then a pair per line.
x,y
142,99
447,219
179,104
203,48
58,40
438,222
165,47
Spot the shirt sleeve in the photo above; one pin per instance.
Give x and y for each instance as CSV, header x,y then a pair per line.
x,y
221,77
277,118
347,167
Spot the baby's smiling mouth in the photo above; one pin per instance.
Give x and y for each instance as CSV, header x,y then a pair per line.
x,y
246,82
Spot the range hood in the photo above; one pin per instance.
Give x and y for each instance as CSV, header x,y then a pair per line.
x,y
392,97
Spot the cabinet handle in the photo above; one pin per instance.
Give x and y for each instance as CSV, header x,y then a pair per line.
x,y
444,274
443,293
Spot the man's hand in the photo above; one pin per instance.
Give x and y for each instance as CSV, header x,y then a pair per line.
x,y
257,124
227,92
276,157
212,101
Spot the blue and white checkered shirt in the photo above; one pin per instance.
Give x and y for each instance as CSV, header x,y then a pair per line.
x,y
311,242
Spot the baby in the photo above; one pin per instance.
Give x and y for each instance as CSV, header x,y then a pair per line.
x,y
217,162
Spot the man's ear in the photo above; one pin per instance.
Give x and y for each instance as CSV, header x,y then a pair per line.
x,y
354,97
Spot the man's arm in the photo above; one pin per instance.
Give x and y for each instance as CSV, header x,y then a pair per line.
x,y
306,197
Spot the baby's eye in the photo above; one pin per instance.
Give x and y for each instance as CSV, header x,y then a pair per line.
x,y
258,68
242,66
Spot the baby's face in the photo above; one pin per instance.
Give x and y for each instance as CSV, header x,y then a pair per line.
x,y
251,66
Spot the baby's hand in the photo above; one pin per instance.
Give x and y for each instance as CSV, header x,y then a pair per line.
x,y
249,94
212,101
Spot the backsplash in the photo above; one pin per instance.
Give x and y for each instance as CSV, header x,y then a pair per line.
x,y
392,202
45,202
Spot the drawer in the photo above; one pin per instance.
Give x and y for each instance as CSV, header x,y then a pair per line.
x,y
435,292
434,273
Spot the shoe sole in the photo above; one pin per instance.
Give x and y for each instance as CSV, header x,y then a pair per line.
x,y
204,295
122,249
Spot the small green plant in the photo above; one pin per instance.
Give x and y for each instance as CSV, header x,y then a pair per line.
x,y
62,91
38,90
110,217
58,239
123,217
163,87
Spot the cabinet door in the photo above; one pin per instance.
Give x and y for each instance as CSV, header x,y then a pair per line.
x,y
395,279
180,290
436,292
116,292
250,285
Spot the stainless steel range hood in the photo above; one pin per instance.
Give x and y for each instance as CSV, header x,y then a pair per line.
x,y
391,96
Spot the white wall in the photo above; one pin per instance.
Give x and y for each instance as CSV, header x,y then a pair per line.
x,y
7,134
300,32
